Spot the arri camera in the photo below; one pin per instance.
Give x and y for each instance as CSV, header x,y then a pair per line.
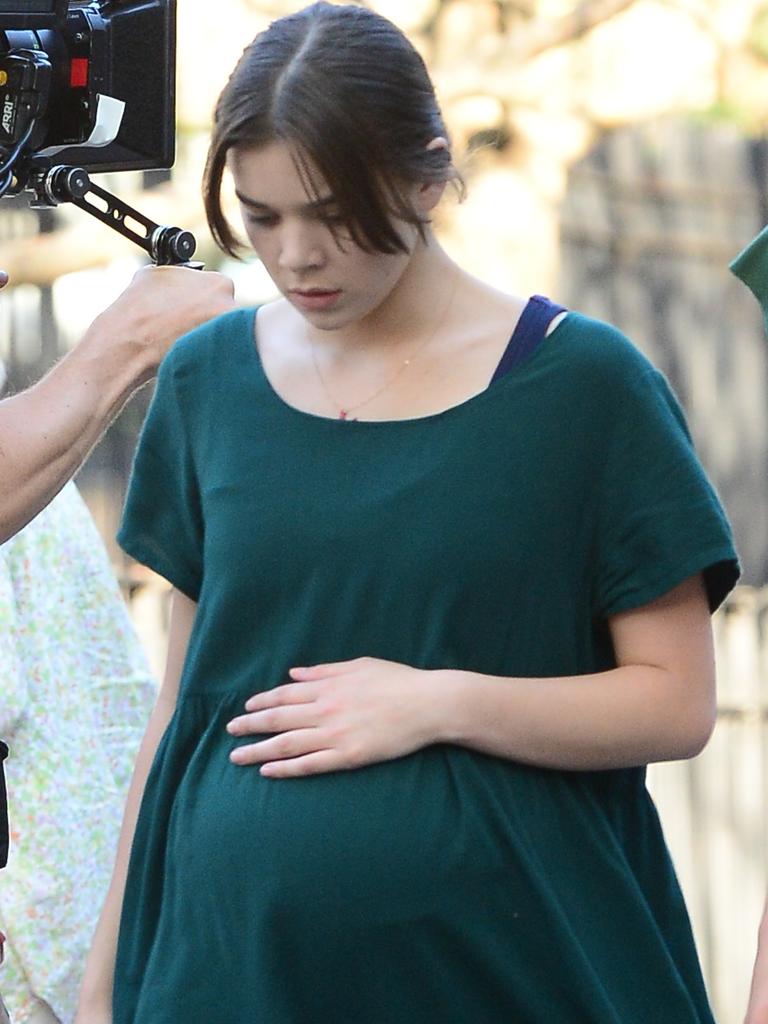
x,y
89,85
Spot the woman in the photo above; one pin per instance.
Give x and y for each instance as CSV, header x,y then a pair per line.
x,y
431,627
75,694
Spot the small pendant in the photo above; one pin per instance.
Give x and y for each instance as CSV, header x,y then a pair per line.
x,y
342,414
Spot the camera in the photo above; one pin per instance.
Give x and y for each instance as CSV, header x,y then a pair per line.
x,y
89,85
97,75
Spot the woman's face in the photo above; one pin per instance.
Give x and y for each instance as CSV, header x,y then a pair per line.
x,y
332,283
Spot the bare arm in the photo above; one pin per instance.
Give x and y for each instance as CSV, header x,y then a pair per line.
x,y
96,992
47,431
659,704
757,1011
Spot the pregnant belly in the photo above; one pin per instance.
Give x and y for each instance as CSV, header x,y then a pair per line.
x,y
442,864
389,839
380,838
368,833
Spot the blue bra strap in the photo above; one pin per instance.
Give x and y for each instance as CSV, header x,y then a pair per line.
x,y
530,331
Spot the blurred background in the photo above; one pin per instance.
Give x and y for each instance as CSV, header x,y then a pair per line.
x,y
616,156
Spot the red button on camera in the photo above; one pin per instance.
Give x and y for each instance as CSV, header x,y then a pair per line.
x,y
78,73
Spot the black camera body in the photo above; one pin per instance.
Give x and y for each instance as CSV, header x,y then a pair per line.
x,y
89,85
67,67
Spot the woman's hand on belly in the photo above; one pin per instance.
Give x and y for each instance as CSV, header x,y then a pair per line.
x,y
339,716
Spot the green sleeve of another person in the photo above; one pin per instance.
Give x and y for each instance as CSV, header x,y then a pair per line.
x,y
751,267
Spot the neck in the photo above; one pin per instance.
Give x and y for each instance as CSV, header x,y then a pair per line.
x,y
423,289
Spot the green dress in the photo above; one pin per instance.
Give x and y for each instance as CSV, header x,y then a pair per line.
x,y
447,886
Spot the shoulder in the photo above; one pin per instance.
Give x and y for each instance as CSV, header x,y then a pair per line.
x,y
599,353
595,372
192,354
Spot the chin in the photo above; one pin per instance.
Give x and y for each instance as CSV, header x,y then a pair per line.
x,y
332,319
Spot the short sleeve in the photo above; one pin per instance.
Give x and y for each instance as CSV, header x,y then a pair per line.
x,y
659,519
162,521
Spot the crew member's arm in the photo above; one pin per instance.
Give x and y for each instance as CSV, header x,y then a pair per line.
x,y
47,431
96,992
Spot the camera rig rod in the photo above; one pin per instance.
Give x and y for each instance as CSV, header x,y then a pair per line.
x,y
166,246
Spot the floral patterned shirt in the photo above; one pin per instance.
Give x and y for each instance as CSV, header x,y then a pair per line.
x,y
75,694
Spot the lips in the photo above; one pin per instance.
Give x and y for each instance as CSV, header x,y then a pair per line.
x,y
310,292
314,298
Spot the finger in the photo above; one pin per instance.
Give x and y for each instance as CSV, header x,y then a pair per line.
x,y
290,693
310,764
281,719
336,668
287,744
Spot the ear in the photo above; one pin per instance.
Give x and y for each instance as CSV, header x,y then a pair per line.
x,y
431,194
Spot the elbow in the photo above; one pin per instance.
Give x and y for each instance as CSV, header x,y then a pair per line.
x,y
695,745
698,726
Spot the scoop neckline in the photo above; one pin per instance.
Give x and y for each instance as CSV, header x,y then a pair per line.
x,y
355,424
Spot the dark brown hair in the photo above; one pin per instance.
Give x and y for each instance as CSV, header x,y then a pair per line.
x,y
347,91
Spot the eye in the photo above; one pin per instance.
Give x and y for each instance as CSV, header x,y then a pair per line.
x,y
261,220
330,218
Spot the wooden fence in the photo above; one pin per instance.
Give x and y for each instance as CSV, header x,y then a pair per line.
x,y
652,218
715,808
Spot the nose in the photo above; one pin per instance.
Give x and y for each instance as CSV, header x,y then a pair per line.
x,y
301,246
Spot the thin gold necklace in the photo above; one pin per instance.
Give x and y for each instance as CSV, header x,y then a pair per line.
x,y
344,411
